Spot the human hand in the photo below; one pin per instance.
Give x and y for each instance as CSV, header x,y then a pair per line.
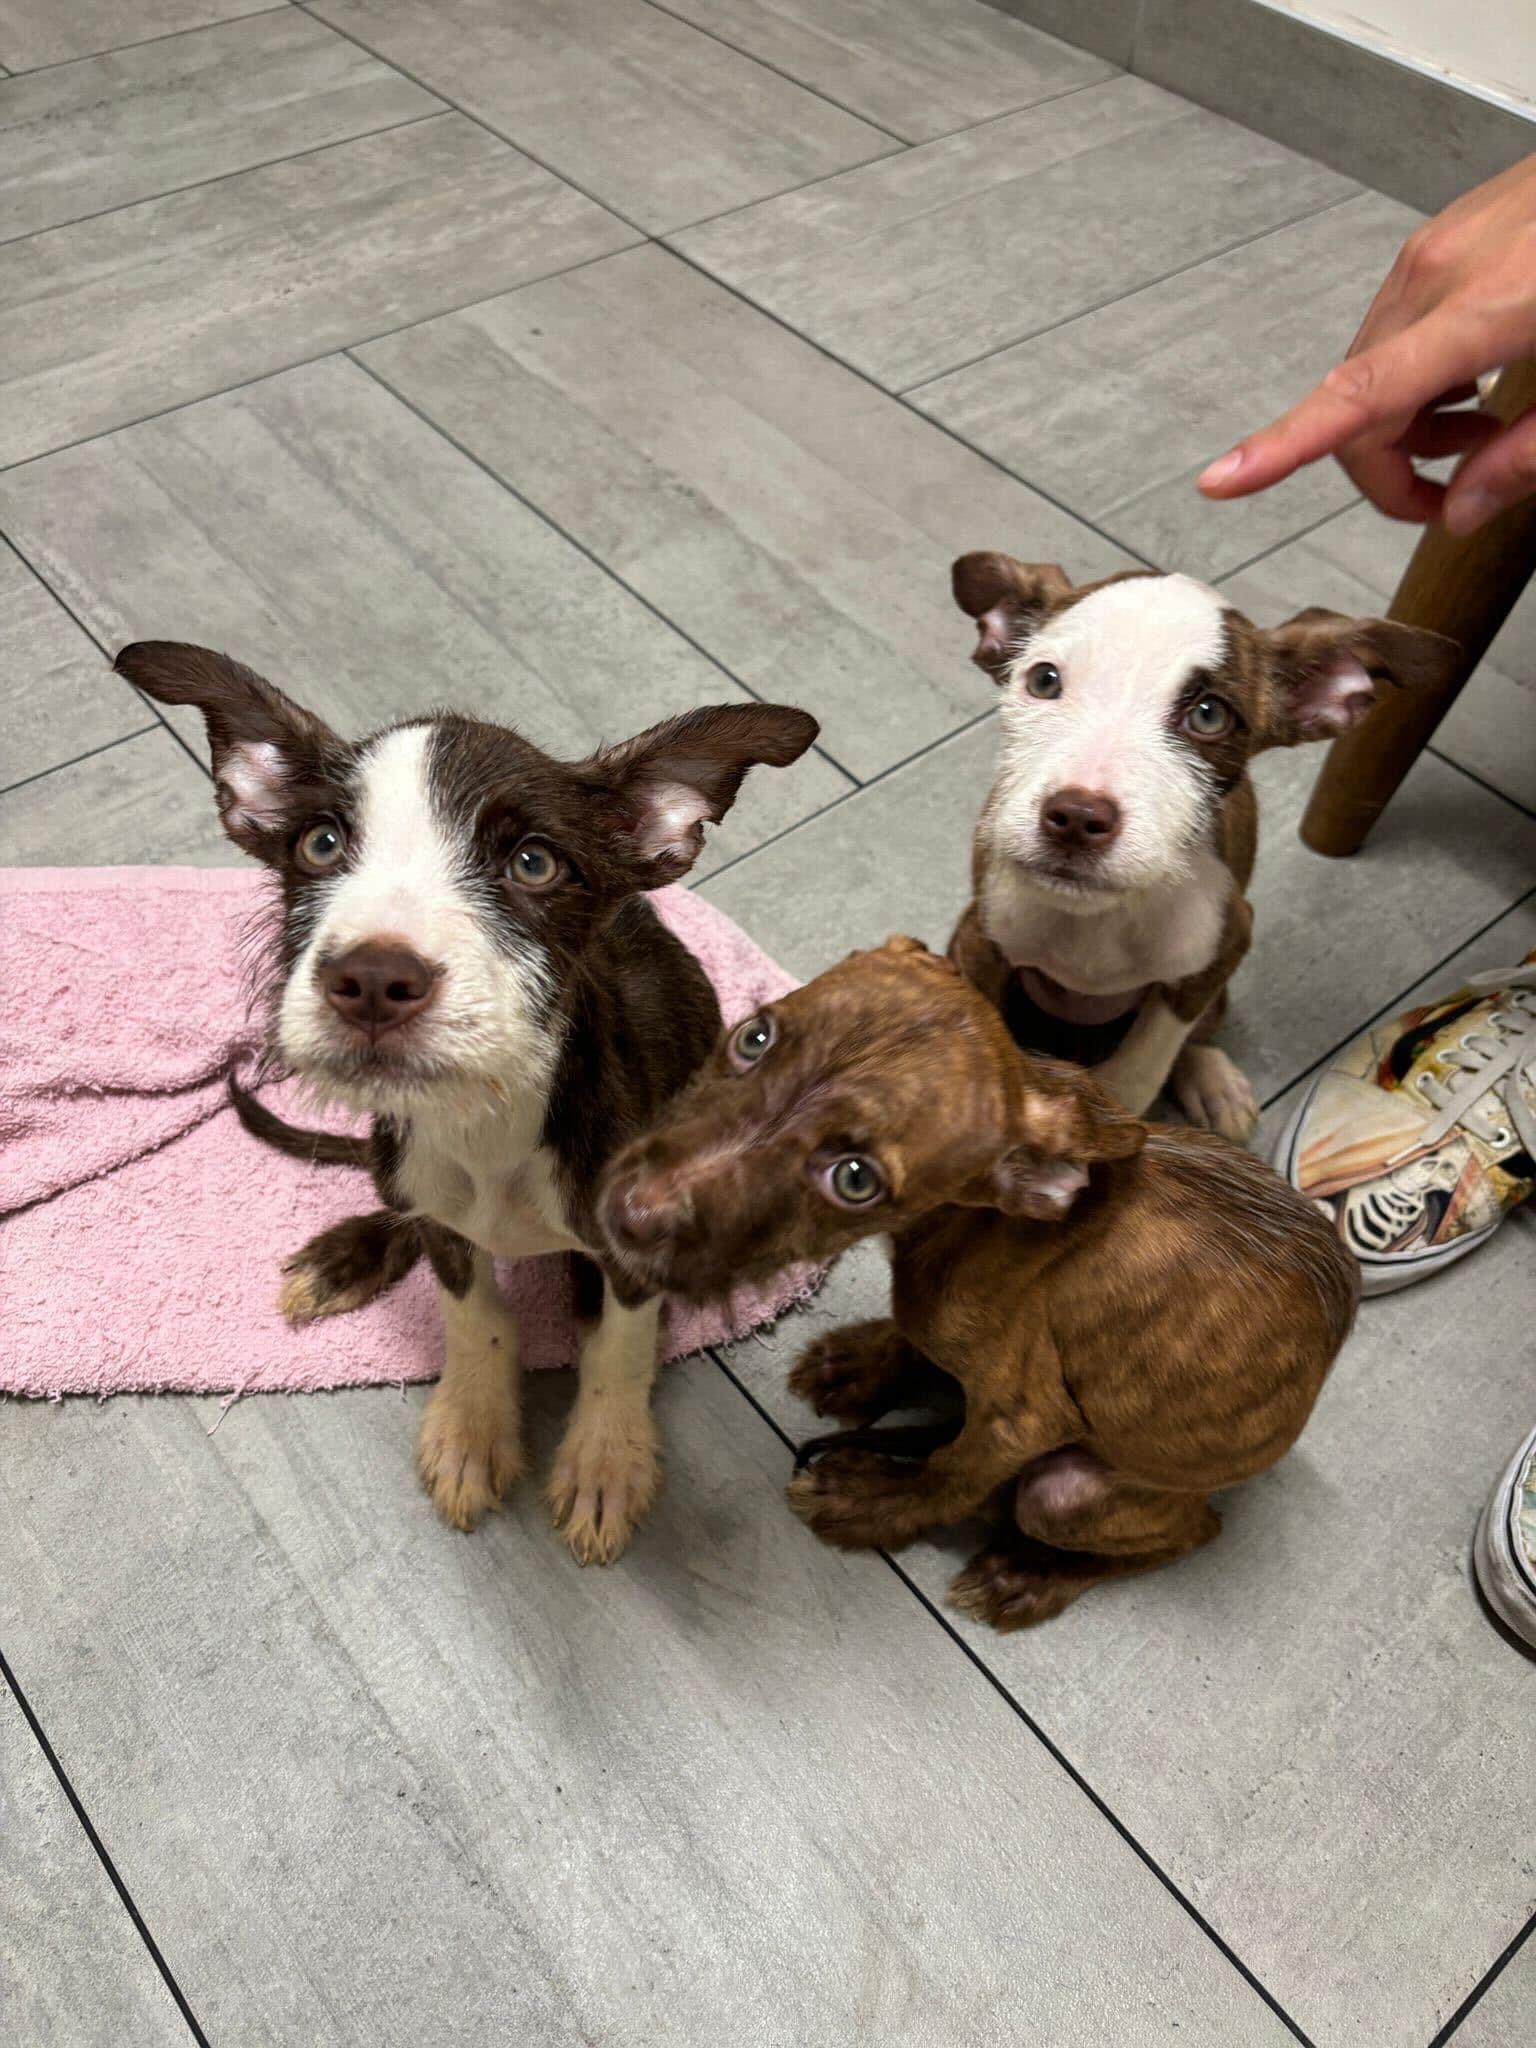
x,y
1459,301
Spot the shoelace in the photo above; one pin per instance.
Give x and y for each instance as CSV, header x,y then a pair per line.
x,y
1499,1054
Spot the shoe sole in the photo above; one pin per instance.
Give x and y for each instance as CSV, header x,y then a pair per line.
x,y
1378,1276
1501,1572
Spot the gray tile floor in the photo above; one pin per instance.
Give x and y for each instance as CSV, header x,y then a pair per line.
x,y
536,355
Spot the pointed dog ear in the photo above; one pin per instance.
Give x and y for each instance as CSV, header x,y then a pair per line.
x,y
667,783
1063,1125
1007,599
1326,670
260,741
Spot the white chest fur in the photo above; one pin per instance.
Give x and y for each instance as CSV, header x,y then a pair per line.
x,y
1163,933
491,1181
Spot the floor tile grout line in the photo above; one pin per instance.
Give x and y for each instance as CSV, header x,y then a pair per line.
x,y
778,71
1052,1749
679,227
164,412
439,113
266,163
572,540
661,239
847,796
457,107
826,177
144,42
1048,99
895,397
869,121
8,1678
1120,298
64,605
337,350
1392,1002
1484,1984
1450,761
58,767
1302,533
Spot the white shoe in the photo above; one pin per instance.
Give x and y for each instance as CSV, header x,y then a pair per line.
x,y
1421,1136
1504,1549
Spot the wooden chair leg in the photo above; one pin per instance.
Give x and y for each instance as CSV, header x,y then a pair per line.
x,y
1462,588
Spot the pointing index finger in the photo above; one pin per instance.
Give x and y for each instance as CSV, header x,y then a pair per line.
x,y
1384,386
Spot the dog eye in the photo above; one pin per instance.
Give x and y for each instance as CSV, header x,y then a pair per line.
x,y
321,845
534,865
1208,718
751,1040
854,1182
1042,679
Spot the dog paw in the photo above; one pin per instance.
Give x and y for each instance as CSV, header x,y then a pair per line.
x,y
855,1500
347,1266
1214,1093
848,1372
1008,1591
308,1293
605,1476
468,1453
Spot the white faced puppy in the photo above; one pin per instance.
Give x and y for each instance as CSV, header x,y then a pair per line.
x,y
462,955
1112,855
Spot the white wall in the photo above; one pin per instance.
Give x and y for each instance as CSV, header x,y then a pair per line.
x,y
1489,45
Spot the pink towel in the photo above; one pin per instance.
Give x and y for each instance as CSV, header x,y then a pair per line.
x,y
141,1228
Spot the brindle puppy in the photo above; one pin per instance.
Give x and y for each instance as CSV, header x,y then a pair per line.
x,y
1136,1316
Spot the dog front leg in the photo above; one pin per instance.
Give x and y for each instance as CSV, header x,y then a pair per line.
x,y
349,1265
860,1371
470,1447
608,1466
1137,1070
861,1500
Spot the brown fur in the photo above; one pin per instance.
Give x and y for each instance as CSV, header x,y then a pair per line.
x,y
1135,1316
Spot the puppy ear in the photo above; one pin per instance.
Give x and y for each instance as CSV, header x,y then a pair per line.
x,y
1007,599
669,782
1063,1126
260,741
1326,670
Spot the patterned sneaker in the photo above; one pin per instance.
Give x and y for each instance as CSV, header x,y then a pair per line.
x,y
1504,1550
1421,1138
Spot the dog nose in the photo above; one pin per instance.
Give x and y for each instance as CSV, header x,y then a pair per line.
x,y
640,1213
377,987
1080,818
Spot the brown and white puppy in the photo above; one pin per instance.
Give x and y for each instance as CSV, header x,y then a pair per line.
x,y
1111,859
1135,1316
463,955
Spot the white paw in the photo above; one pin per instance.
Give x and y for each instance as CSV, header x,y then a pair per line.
x,y
604,1479
1214,1093
468,1453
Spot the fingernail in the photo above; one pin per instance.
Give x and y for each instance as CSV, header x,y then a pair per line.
x,y
1467,512
1223,467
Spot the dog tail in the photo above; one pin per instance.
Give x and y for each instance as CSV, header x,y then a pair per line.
x,y
317,1148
